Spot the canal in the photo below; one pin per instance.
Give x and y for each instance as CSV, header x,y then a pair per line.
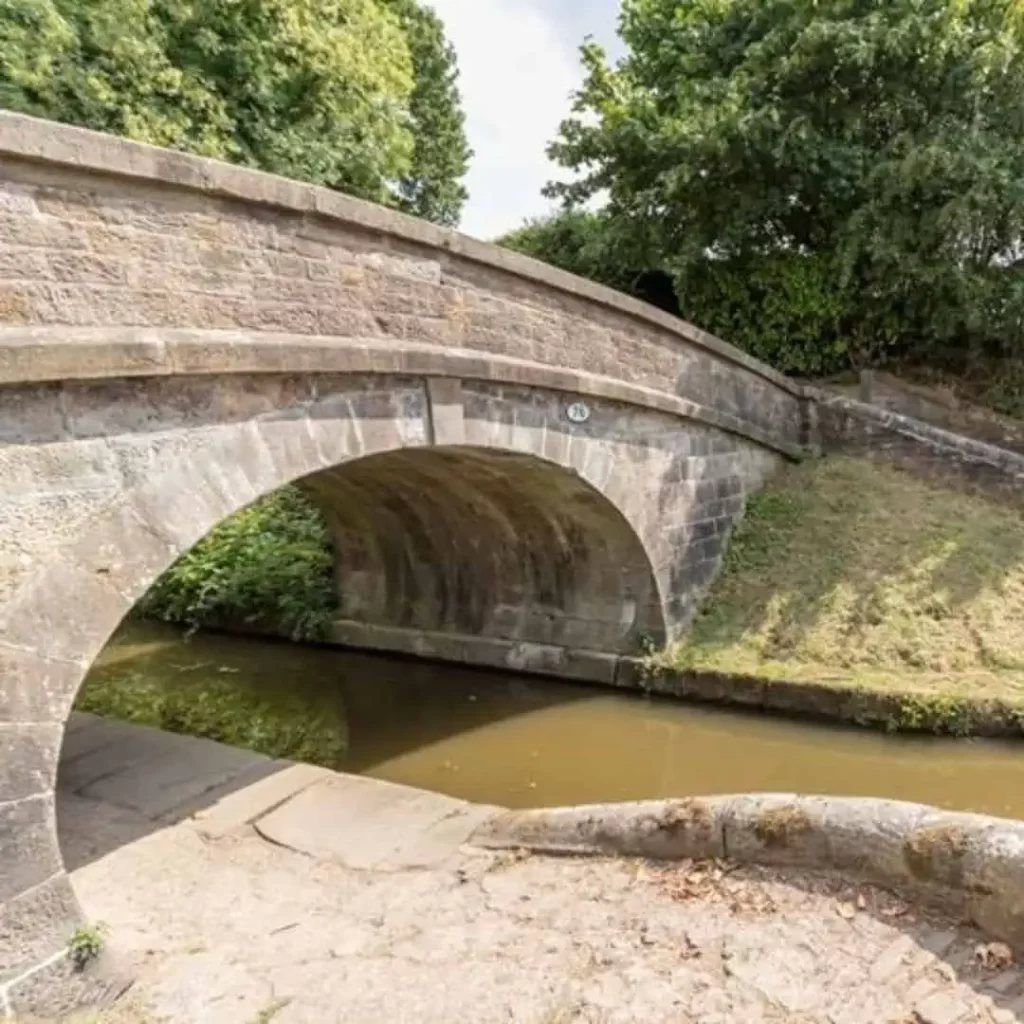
x,y
520,741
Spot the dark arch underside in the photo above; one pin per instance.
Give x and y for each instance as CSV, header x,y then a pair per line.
x,y
486,544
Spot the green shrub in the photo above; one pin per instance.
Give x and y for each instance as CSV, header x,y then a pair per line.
x,y
786,309
270,566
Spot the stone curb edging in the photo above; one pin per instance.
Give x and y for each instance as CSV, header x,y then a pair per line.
x,y
888,710
971,864
49,142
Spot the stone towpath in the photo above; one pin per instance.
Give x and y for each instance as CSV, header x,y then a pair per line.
x,y
243,891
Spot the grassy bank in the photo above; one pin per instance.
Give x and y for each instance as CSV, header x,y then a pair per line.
x,y
853,574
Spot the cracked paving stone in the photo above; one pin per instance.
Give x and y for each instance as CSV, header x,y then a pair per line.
x,y
473,935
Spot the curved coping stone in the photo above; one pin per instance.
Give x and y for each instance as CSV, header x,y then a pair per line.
x,y
969,863
48,142
47,354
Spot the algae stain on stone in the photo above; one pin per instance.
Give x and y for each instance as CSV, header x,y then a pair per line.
x,y
936,854
781,826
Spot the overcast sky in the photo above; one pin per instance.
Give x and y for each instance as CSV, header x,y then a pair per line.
x,y
518,64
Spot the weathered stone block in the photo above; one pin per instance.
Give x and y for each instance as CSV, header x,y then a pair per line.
x,y
28,758
993,875
868,836
663,829
36,924
182,505
31,413
775,829
34,688
447,421
28,845
124,551
66,613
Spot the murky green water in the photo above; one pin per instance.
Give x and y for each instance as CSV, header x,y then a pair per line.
x,y
519,741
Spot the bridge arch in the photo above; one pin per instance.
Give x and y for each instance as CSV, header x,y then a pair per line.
x,y
554,536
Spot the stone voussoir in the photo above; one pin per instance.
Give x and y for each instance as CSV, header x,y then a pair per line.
x,y
28,844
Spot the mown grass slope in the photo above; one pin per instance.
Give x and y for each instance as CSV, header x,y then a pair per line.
x,y
851,571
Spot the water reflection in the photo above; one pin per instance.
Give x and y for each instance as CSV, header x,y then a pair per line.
x,y
520,742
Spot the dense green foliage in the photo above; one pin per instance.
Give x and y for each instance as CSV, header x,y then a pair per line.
x,y
579,241
829,182
432,187
268,566
320,90
588,244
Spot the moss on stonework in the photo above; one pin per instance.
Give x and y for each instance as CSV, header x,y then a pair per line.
x,y
781,826
936,853
687,815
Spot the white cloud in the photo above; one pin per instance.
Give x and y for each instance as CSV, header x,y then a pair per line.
x,y
518,66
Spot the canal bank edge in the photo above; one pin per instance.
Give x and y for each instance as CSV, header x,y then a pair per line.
x,y
967,864
893,711
912,711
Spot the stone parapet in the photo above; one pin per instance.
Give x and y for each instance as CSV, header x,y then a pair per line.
x,y
98,231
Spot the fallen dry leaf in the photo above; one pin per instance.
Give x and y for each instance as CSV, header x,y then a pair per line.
x,y
994,956
896,910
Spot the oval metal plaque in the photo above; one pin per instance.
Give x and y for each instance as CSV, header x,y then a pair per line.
x,y
578,412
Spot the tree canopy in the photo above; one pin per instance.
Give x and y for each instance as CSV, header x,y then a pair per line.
x,y
588,244
827,181
432,187
321,90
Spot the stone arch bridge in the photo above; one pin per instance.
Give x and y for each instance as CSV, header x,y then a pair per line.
x,y
519,467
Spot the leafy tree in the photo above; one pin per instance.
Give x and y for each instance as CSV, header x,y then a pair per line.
x,y
76,63
320,90
576,240
588,244
432,188
865,157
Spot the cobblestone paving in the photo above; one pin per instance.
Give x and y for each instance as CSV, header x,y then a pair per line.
x,y
236,930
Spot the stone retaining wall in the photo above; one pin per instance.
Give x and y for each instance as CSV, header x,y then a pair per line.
x,y
845,425
935,713
971,864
